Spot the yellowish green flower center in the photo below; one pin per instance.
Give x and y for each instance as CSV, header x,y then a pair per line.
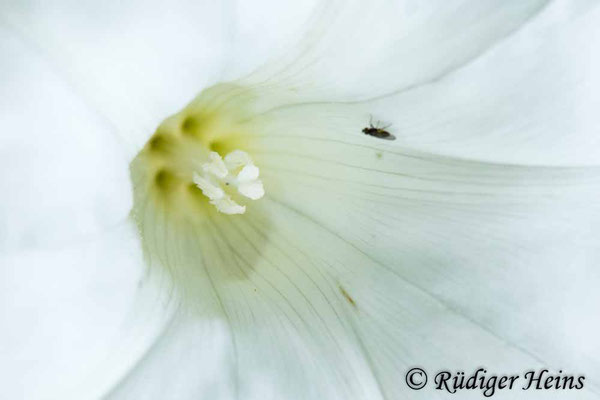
x,y
196,160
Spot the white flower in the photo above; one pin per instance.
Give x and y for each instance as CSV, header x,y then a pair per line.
x,y
254,243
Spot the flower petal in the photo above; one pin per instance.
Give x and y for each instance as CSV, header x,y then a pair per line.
x,y
63,174
287,339
193,358
353,51
136,62
445,231
63,310
531,100
70,262
337,299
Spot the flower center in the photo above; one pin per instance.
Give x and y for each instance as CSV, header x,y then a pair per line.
x,y
237,171
197,161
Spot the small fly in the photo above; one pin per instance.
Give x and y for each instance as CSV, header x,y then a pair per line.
x,y
380,133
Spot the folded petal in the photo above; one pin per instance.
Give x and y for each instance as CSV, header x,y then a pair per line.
x,y
70,262
63,172
530,100
66,310
135,63
354,51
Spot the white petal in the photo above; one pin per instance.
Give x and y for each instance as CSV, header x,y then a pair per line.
x,y
63,173
113,58
355,51
191,360
288,339
136,62
444,232
64,309
533,99
263,30
311,305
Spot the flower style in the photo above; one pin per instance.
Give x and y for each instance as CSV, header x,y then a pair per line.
x,y
254,243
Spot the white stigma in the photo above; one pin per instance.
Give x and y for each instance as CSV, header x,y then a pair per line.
x,y
237,171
